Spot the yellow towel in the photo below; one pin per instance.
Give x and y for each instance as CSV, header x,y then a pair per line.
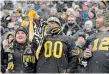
x,y
31,30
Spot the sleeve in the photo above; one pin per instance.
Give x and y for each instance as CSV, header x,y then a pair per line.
x,y
72,57
34,44
11,58
10,61
90,40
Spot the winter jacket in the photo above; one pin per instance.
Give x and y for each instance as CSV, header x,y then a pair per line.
x,y
22,58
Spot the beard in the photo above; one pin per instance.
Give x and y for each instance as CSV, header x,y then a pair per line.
x,y
97,26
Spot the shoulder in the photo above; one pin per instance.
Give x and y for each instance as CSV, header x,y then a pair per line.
x,y
68,39
93,36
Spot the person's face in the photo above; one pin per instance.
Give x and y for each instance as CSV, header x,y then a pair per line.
x,y
99,21
43,6
53,11
85,8
71,20
88,27
81,40
11,37
51,25
77,14
21,37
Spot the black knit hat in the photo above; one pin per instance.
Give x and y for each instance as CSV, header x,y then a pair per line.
x,y
82,34
21,28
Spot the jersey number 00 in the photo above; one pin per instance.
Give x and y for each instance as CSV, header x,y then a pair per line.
x,y
50,47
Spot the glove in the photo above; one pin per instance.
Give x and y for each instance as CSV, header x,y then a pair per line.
x,y
10,65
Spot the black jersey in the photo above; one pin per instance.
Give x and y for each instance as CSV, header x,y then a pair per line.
x,y
99,62
56,55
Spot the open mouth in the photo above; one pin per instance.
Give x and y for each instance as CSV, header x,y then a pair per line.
x,y
20,37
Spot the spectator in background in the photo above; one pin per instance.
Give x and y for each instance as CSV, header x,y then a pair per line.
x,y
60,6
77,14
51,4
37,5
70,11
85,11
8,38
68,3
97,55
71,27
66,14
87,30
5,19
92,16
81,40
8,5
44,12
11,25
79,46
53,12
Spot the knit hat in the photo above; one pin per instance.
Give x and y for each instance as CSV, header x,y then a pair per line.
x,y
82,34
54,19
21,28
105,14
89,22
106,17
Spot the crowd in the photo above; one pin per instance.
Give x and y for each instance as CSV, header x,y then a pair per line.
x,y
27,27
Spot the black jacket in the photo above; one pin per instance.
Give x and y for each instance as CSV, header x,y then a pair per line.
x,y
71,29
23,58
56,55
99,62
